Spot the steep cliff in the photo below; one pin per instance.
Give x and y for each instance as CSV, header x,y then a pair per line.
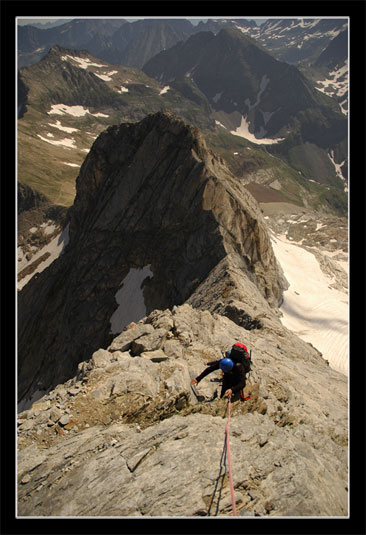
x,y
153,206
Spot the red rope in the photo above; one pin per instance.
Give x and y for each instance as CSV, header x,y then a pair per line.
x,y
229,460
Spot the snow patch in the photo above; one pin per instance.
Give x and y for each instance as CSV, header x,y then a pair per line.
x,y
62,109
130,299
336,84
220,124
68,143
59,126
309,24
48,228
337,167
75,111
71,164
164,90
243,131
103,77
84,63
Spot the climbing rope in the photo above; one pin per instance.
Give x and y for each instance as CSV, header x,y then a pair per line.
x,y
225,454
229,459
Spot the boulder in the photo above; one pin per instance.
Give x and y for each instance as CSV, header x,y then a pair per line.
x,y
149,342
123,342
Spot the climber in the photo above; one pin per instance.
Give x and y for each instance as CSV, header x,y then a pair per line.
x,y
235,365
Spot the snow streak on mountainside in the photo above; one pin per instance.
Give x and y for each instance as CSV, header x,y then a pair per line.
x,y
337,82
42,257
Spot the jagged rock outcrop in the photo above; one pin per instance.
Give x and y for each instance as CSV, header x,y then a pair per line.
x,y
154,206
126,437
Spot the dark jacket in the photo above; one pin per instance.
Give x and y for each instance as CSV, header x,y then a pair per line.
x,y
234,379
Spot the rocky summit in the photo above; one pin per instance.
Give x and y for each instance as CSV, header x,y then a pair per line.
x,y
152,203
168,263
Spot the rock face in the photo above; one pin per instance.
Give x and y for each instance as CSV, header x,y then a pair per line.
x,y
127,427
149,195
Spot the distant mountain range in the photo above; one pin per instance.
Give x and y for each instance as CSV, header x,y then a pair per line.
x,y
133,43
264,116
255,95
115,41
237,75
329,71
44,25
295,40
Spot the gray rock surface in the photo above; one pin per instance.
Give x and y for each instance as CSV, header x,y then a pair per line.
x,y
144,446
171,469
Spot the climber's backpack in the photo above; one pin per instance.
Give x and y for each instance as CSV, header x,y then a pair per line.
x,y
239,353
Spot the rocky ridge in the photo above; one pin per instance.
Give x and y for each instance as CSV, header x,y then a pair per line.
x,y
127,426
148,194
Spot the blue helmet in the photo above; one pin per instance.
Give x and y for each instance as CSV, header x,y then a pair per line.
x,y
226,365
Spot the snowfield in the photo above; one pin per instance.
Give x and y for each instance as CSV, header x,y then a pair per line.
x,y
130,299
313,310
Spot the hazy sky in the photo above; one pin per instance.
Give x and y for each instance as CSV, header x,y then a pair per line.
x,y
30,20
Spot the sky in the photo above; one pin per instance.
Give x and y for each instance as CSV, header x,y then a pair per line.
x,y
24,21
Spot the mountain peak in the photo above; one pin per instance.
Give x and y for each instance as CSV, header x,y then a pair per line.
x,y
57,50
151,201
